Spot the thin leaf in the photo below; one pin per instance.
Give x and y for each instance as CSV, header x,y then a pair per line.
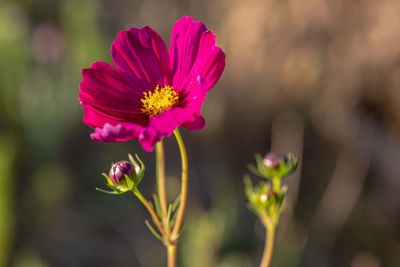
x,y
254,170
168,217
259,160
249,188
172,222
157,206
107,192
247,182
153,231
176,203
180,233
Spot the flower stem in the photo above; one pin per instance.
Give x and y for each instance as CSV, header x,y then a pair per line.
x,y
160,173
171,255
269,244
151,211
276,184
184,187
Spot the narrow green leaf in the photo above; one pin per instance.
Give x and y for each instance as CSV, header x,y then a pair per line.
x,y
108,192
176,203
247,182
254,170
157,206
283,169
259,160
168,217
249,188
172,221
180,233
153,231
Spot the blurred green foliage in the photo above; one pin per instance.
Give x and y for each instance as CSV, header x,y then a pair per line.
x,y
7,189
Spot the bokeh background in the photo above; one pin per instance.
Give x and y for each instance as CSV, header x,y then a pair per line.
x,y
320,78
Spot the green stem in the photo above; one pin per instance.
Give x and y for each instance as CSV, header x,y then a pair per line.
x,y
160,174
151,211
276,184
171,249
184,187
269,244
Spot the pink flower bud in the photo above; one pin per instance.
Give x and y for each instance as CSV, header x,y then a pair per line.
x,y
119,170
273,160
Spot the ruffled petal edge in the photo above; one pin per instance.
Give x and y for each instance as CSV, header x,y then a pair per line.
x,y
117,133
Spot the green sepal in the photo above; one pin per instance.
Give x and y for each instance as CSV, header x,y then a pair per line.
x,y
139,169
254,170
284,169
109,182
107,192
293,162
116,190
129,182
263,201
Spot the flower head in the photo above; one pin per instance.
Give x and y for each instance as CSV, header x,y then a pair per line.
x,y
274,165
151,92
119,170
263,200
124,175
273,160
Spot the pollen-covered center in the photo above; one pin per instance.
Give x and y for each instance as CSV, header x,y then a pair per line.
x,y
159,100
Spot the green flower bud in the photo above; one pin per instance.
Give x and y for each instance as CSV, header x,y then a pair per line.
x,y
124,175
264,201
274,165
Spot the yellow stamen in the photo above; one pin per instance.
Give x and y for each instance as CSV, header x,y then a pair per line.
x,y
159,100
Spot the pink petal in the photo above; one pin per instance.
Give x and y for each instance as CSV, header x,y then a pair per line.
x,y
142,56
97,118
117,133
210,60
194,95
193,101
106,96
193,52
161,126
149,137
196,124
187,114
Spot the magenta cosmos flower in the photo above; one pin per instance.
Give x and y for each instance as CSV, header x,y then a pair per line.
x,y
151,92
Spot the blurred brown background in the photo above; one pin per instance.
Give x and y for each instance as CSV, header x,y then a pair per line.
x,y
320,78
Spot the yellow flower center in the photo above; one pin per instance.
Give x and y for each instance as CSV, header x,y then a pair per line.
x,y
159,100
